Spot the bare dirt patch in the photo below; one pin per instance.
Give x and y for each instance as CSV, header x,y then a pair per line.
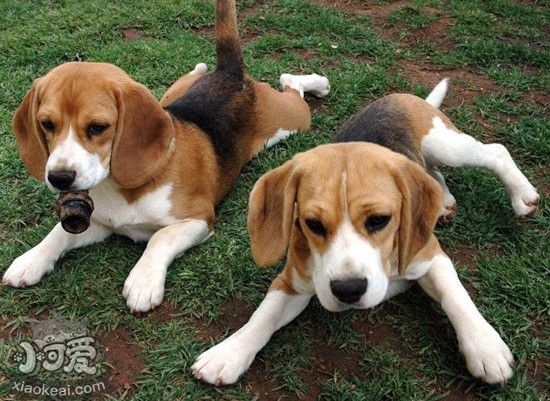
x,y
234,315
123,358
351,7
119,353
165,312
466,255
434,32
460,391
537,366
538,97
8,330
326,359
264,387
493,250
540,180
207,31
131,34
465,86
247,34
380,334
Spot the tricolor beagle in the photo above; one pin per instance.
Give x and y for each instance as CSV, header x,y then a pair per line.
x,y
155,171
357,219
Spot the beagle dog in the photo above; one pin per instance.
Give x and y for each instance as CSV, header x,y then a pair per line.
x,y
357,218
155,171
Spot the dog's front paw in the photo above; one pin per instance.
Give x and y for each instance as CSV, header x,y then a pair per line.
x,y
526,201
224,363
487,356
27,269
144,288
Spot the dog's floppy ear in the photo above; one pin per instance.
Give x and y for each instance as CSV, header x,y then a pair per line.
x,y
143,139
30,138
422,199
270,213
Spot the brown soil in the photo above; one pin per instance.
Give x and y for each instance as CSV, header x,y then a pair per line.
x,y
326,359
131,34
165,312
537,365
465,255
540,180
123,358
541,98
11,332
460,391
117,348
234,315
352,7
247,33
464,87
435,33
263,387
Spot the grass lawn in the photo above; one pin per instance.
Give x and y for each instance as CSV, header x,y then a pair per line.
x,y
498,54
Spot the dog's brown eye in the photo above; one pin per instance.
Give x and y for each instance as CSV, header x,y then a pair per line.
x,y
47,125
96,129
377,222
316,227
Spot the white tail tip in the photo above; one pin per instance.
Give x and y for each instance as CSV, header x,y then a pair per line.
x,y
200,69
436,96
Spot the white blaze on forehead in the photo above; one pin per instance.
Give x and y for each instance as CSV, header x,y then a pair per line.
x,y
70,155
345,192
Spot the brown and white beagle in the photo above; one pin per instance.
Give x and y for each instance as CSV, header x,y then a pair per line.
x,y
357,219
155,171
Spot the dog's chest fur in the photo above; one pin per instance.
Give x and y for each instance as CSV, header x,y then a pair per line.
x,y
139,219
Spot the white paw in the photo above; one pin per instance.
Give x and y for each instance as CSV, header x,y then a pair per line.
x,y
321,87
315,84
224,363
27,269
487,356
525,202
291,81
448,213
144,288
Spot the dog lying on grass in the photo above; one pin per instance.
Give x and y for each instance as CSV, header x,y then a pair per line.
x,y
356,219
155,171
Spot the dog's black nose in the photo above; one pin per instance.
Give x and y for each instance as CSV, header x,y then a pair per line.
x,y
61,179
349,291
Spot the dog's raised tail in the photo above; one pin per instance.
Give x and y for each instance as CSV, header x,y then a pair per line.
x,y
436,96
228,46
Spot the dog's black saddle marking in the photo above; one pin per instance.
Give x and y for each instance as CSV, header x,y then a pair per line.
x,y
384,124
221,106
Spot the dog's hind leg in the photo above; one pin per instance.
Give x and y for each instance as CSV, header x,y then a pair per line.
x,y
445,145
283,113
